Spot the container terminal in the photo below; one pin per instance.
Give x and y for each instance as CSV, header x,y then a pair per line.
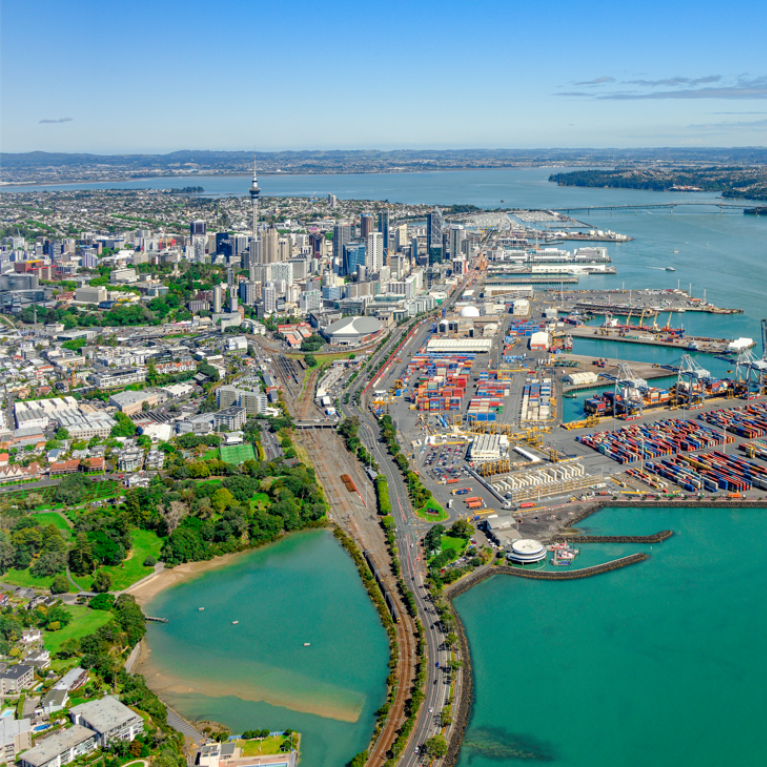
x,y
477,398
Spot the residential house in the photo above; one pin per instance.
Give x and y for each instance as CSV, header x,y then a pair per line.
x,y
16,678
61,747
16,736
109,718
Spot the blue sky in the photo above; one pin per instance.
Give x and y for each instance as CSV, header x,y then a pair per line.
x,y
160,75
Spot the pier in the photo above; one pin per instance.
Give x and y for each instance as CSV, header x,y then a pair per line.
x,y
663,535
153,619
688,343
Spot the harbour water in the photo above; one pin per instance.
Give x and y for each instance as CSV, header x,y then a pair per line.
x,y
259,673
655,664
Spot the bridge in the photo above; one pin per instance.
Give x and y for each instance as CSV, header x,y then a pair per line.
x,y
671,205
315,424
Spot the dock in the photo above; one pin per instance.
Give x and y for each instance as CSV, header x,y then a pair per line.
x,y
688,343
154,619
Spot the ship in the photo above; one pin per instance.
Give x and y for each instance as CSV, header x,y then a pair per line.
x,y
670,269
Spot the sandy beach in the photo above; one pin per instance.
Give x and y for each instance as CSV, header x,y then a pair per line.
x,y
328,704
146,590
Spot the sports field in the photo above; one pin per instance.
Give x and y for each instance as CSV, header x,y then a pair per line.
x,y
238,453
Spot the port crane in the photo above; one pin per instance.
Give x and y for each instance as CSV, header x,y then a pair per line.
x,y
631,387
690,373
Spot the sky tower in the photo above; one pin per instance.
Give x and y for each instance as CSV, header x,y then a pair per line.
x,y
254,193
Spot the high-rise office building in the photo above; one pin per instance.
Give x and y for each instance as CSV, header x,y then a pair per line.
x,y
353,257
217,300
197,227
223,243
383,228
457,241
247,292
342,235
269,245
285,249
434,244
316,240
270,299
374,252
366,225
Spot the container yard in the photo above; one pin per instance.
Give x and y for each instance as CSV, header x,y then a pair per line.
x,y
660,438
537,400
544,481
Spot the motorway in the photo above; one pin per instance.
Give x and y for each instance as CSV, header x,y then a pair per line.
x,y
410,530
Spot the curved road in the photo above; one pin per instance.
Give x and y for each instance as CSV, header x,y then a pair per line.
x,y
409,532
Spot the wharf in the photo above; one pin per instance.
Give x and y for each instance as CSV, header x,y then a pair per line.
x,y
706,345
646,370
621,310
513,278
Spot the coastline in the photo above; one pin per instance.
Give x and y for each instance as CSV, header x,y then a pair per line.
x,y
146,590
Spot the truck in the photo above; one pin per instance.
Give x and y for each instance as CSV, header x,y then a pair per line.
x,y
462,491
527,505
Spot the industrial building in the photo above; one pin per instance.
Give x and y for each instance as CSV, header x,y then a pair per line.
x,y
489,447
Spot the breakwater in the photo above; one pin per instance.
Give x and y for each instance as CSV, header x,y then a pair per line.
x,y
461,714
655,538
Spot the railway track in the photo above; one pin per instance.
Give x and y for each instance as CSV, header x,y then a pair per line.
x,y
331,460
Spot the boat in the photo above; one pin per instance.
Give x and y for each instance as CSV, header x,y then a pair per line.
x,y
670,268
307,644
234,623
200,609
558,562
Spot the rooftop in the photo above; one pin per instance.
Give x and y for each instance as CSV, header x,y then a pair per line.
x,y
55,744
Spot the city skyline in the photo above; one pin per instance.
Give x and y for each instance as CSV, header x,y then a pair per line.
x,y
525,77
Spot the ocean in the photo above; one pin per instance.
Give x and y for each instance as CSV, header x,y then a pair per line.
x,y
654,665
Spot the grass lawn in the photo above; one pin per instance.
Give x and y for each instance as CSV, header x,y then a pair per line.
x,y
455,545
145,543
238,454
432,512
260,499
85,621
215,482
266,746
211,454
26,580
52,517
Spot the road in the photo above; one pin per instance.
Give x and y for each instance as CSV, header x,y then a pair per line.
x,y
410,530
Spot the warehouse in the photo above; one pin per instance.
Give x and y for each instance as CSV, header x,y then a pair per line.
x,y
539,341
353,331
580,379
460,345
489,447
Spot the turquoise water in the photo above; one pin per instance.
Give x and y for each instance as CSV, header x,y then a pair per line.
x,y
657,664
258,674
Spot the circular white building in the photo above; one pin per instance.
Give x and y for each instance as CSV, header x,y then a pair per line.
x,y
525,551
353,331
469,311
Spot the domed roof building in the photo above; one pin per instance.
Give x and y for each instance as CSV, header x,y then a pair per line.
x,y
469,311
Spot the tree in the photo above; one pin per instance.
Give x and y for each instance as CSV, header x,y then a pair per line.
x,y
62,434
124,426
462,529
60,585
436,746
81,555
102,582
102,602
310,360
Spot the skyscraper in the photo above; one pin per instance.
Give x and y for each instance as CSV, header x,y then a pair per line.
x,y
434,245
197,227
383,227
342,235
374,252
353,258
269,246
366,225
457,240
255,191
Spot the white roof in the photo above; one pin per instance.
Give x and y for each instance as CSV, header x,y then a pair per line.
x,y
527,546
469,311
361,326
